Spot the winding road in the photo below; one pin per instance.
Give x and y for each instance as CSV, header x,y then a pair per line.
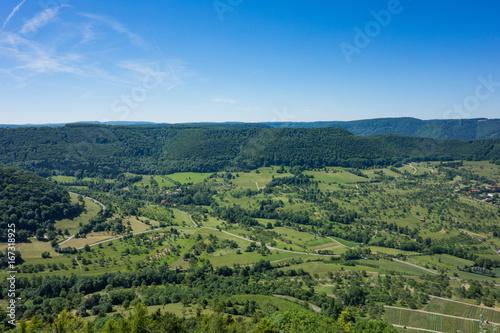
x,y
414,169
93,200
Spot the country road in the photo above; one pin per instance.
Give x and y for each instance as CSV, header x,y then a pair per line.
x,y
72,236
417,266
66,240
112,239
269,247
94,200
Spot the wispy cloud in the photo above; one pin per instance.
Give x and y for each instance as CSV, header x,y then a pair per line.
x,y
88,34
36,58
23,56
116,26
40,20
224,100
12,14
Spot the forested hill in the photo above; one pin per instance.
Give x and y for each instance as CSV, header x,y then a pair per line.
x,y
450,129
455,129
109,150
30,202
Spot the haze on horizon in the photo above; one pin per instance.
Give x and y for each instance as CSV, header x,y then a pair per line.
x,y
247,61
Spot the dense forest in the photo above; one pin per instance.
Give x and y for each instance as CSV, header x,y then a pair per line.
x,y
92,150
31,203
453,129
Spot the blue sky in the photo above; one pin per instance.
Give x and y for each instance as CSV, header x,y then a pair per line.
x,y
247,60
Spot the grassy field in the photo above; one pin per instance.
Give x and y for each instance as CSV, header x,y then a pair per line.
x,y
91,238
345,242
429,321
33,249
336,175
370,266
72,225
70,179
267,303
393,267
462,310
176,308
247,180
163,182
386,250
189,177
228,257
157,213
138,225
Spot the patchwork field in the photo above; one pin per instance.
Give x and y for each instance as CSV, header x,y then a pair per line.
x,y
429,321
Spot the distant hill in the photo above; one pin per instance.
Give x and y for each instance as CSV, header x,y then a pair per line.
x,y
31,202
90,150
455,129
451,129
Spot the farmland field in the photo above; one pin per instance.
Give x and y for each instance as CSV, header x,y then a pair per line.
x,y
188,177
462,310
429,321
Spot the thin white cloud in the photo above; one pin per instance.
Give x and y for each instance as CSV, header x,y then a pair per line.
x,y
88,34
116,26
40,20
23,57
12,14
36,58
224,100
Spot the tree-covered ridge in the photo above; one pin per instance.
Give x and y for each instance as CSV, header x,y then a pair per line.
x,y
450,129
30,202
456,129
91,150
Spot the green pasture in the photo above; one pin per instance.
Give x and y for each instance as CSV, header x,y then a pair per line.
x,y
73,225
189,177
459,309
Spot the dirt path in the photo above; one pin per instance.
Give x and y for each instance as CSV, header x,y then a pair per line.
x,y
256,184
414,169
477,238
94,200
336,241
416,328
417,266
78,263
270,247
67,239
112,239
196,225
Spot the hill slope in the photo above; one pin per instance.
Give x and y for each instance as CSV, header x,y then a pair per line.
x,y
87,150
454,129
30,202
451,129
